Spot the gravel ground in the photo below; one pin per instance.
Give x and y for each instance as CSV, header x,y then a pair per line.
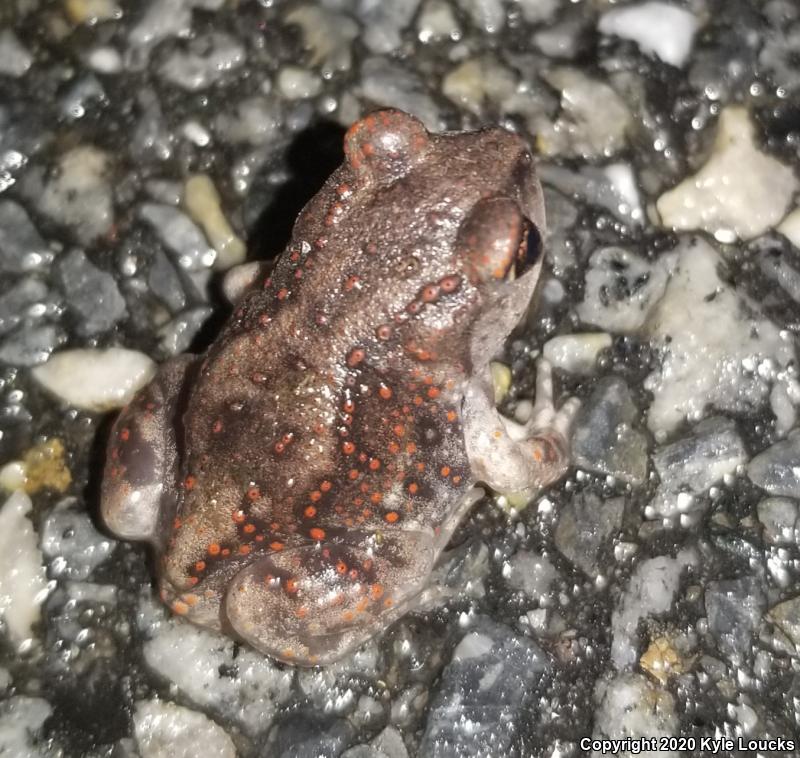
x,y
147,147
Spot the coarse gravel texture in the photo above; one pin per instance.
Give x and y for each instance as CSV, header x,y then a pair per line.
x,y
147,147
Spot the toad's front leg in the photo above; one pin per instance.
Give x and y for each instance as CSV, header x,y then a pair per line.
x,y
517,458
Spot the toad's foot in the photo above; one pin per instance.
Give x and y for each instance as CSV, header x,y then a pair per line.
x,y
515,458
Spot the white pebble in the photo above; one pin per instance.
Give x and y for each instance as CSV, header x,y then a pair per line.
x,y
23,582
659,28
740,192
166,730
790,227
576,353
298,83
95,380
105,60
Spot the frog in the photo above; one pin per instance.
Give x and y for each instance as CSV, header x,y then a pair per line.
x,y
300,480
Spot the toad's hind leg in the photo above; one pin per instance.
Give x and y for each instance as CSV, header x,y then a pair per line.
x,y
138,496
518,458
314,603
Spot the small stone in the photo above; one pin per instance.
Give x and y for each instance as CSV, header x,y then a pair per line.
x,y
96,380
209,57
91,11
776,258
717,200
105,60
46,467
483,693
780,518
593,122
30,345
630,706
565,39
735,608
790,227
23,581
477,80
532,573
604,439
165,282
328,35
388,83
576,353
180,235
80,96
660,28
75,548
161,19
776,469
717,348
538,11
436,21
91,293
21,719
586,526
203,203
488,15
256,120
389,744
689,466
612,187
297,83
79,194
176,335
233,683
308,735
166,730
25,299
786,616
21,246
384,23
661,660
12,476
650,591
15,59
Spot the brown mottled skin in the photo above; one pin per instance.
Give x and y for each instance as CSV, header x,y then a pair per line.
x,y
299,480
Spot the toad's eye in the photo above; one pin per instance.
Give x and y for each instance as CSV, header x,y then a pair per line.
x,y
530,248
493,240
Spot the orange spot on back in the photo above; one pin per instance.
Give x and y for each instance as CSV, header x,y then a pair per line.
x,y
317,534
